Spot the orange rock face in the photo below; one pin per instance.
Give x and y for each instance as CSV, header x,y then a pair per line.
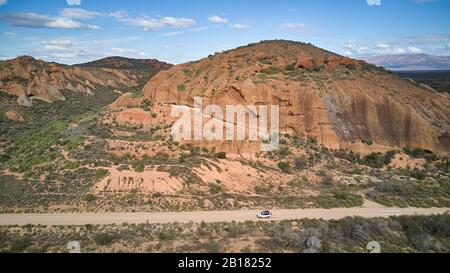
x,y
28,79
337,100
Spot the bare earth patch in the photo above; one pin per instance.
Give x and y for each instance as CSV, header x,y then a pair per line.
x,y
149,181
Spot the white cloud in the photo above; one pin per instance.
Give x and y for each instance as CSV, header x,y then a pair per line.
x,y
34,20
382,45
151,24
83,14
79,13
174,33
73,50
414,50
217,20
147,24
292,26
118,14
127,51
177,22
367,49
355,48
66,50
374,2
73,2
68,24
3,2
239,26
60,42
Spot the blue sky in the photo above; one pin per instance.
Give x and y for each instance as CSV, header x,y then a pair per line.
x,y
73,31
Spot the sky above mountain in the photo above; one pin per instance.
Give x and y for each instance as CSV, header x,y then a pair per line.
x,y
74,31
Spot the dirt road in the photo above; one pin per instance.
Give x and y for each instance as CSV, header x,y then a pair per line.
x,y
206,216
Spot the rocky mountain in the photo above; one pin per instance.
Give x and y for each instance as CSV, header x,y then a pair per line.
x,y
341,102
30,79
127,63
78,156
411,62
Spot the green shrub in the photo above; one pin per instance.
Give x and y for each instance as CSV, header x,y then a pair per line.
x,y
90,198
271,70
4,158
71,165
100,173
75,143
373,160
138,166
188,72
221,155
367,142
266,61
284,166
418,174
181,87
290,67
19,245
214,188
300,163
284,151
103,239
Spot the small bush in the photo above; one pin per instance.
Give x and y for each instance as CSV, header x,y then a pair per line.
x,y
181,87
221,155
367,142
271,70
103,239
4,158
284,166
90,198
100,173
290,67
71,165
138,166
300,163
20,245
214,188
418,174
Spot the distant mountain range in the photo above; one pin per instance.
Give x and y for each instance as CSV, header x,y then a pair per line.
x,y
410,62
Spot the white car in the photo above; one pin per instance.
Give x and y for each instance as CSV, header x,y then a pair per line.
x,y
264,214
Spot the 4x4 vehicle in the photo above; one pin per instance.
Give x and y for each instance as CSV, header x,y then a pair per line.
x,y
264,214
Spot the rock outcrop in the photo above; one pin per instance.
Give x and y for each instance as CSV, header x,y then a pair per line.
x,y
337,100
29,79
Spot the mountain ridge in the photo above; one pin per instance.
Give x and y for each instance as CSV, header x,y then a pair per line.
x,y
29,78
340,101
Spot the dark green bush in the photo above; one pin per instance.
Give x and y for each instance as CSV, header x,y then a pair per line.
x,y
284,166
221,155
103,239
138,165
300,163
19,245
100,173
90,198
